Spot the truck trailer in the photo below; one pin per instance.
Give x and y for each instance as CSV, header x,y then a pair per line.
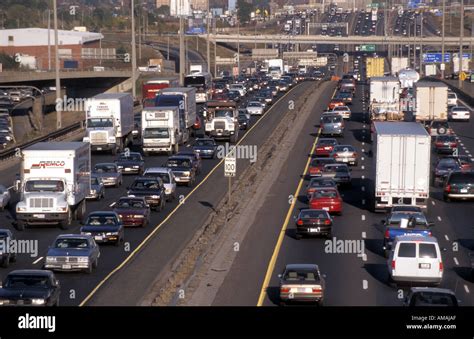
x,y
431,101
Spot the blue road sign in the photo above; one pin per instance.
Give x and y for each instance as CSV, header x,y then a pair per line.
x,y
436,57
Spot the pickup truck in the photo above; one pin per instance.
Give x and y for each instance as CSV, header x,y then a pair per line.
x,y
404,223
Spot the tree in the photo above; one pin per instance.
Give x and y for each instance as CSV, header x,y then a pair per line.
x,y
8,62
243,10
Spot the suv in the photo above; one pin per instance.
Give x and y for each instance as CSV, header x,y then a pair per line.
x,y
415,259
332,124
459,185
425,296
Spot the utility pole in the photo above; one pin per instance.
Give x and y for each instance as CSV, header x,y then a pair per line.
x,y
208,38
56,66
49,40
215,48
442,43
182,53
140,22
461,36
238,45
134,52
421,45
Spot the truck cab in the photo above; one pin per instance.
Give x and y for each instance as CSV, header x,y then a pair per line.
x,y
222,120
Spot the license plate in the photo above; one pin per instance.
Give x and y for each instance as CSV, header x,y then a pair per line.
x,y
326,208
41,216
99,148
315,230
463,190
425,266
98,238
66,267
128,169
345,160
385,199
303,290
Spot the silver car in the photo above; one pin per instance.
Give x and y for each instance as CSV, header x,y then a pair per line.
x,y
4,197
167,176
109,173
97,190
332,124
255,108
345,153
340,173
342,110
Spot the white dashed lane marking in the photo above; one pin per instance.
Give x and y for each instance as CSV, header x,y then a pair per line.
x,y
364,235
365,284
466,288
363,217
37,260
439,218
456,261
446,237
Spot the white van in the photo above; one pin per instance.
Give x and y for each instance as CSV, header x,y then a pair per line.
x,y
452,99
415,259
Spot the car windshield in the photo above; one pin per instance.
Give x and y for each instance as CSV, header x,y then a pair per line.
x,y
130,203
327,119
164,176
313,214
71,243
204,143
178,163
101,220
432,299
301,275
446,138
44,186
156,133
95,181
324,142
145,184
321,183
222,113
447,164
325,194
99,122
254,104
340,108
26,281
133,157
395,218
105,168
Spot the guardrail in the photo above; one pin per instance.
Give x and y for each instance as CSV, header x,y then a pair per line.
x,y
12,152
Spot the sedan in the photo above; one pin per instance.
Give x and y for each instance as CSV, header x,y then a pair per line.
x,y
340,173
332,124
183,169
301,283
109,173
313,222
335,102
316,183
459,113
4,197
255,108
345,154
97,191
325,146
317,164
152,189
134,211
327,199
131,162
205,147
342,110
445,144
30,288
104,227
73,252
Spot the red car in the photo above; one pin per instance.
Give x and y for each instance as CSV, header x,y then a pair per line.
x,y
325,147
317,165
134,211
334,103
327,199
445,144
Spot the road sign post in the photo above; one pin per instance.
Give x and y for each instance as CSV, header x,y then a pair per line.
x,y
230,168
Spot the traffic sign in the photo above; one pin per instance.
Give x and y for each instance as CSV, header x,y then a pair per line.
x,y
436,57
230,166
367,48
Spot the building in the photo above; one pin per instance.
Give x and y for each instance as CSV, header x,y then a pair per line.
x,y
160,3
180,7
231,5
73,46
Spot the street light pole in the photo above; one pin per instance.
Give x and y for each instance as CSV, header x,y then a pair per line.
x,y
134,54
442,44
208,41
182,52
238,45
461,36
56,66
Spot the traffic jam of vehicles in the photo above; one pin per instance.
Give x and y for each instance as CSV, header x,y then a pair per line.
x,y
140,162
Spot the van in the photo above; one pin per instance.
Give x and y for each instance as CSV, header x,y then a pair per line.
x,y
415,259
332,124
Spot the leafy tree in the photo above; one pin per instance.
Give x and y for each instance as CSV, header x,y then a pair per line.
x,y
7,61
244,10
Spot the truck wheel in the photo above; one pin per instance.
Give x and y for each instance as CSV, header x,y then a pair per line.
x,y
20,225
95,263
81,211
176,148
64,225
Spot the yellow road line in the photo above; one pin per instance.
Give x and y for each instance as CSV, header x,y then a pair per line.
x,y
276,250
157,227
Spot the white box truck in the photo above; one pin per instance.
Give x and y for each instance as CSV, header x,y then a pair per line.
x,y
53,185
401,155
109,121
275,68
398,64
431,101
162,130
385,99
185,99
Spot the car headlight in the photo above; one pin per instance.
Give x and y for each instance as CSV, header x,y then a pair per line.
x,y
83,259
186,174
155,196
139,216
51,259
38,301
93,191
111,233
21,209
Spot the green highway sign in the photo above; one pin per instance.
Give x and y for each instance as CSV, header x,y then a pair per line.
x,y
367,48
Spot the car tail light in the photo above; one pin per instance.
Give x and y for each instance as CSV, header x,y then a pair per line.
x,y
393,264
317,290
441,267
354,154
430,234
387,234
453,144
439,143
285,289
335,155
299,222
327,222
447,189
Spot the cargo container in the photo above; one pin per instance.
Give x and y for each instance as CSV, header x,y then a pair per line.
x,y
374,67
398,64
401,163
431,101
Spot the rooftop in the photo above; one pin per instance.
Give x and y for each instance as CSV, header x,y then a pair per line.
x,y
39,37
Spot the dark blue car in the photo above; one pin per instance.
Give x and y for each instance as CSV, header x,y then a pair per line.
x,y
104,227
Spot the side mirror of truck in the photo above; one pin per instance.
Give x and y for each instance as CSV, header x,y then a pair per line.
x,y
431,224
17,185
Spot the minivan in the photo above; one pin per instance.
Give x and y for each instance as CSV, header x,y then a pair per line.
x,y
459,185
415,259
332,124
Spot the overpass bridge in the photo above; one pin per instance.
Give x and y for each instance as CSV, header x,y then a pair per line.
x,y
16,77
347,40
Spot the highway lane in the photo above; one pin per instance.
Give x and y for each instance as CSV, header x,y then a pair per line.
x,y
74,289
351,280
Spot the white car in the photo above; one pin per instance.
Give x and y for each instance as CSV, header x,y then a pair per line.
x,y
4,197
459,113
255,108
167,177
415,259
452,99
342,110
238,87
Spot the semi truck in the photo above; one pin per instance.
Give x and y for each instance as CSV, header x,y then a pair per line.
x,y
401,155
374,67
53,184
185,99
398,64
431,101
109,122
385,99
151,87
222,120
162,130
